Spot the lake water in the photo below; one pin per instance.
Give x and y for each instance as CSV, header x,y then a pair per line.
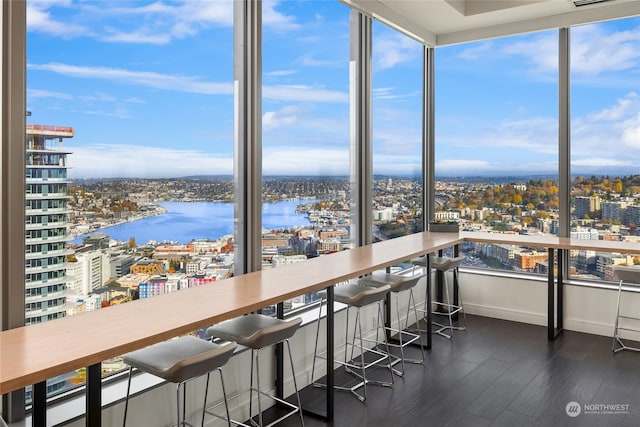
x,y
184,222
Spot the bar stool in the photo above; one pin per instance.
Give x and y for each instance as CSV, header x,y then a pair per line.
x,y
356,296
405,337
448,308
630,276
258,331
178,361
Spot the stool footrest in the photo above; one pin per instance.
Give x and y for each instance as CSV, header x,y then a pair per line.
x,y
622,345
353,364
413,337
293,408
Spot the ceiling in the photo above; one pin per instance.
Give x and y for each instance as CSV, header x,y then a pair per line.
x,y
444,22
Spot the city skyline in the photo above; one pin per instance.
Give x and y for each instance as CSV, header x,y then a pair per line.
x,y
148,87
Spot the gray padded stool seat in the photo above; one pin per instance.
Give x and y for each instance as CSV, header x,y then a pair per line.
x,y
405,337
354,295
258,331
447,308
629,276
179,361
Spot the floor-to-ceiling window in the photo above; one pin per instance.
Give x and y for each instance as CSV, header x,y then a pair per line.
x,y
605,142
397,133
496,143
305,133
129,154
51,105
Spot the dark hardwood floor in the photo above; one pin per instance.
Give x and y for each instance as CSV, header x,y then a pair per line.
x,y
500,373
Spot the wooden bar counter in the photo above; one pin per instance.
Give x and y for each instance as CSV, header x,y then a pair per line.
x,y
29,355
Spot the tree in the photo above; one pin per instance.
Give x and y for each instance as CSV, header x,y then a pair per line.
x,y
112,284
618,186
132,243
542,214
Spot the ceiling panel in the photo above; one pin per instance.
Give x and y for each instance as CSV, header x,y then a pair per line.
x,y
443,22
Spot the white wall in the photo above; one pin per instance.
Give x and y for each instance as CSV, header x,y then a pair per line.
x,y
586,309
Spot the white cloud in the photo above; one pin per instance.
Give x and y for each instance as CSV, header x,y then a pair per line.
x,y
535,134
594,51
392,49
477,51
144,78
309,61
121,113
286,116
190,84
276,20
539,134
140,36
604,141
600,162
39,19
540,52
466,167
612,131
277,73
448,166
305,161
631,134
389,93
135,100
100,97
120,160
303,93
41,93
623,108
162,22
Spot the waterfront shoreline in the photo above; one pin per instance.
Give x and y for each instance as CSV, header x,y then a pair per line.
x,y
187,221
73,231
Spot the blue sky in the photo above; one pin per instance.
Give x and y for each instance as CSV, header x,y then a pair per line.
x,y
148,87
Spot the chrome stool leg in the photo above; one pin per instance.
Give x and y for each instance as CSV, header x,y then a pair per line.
x,y
450,308
354,295
630,276
179,361
404,336
257,332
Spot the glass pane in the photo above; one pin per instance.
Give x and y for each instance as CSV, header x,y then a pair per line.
x,y
605,137
305,125
496,150
129,154
397,134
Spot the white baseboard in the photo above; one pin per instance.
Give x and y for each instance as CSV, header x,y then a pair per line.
x,y
570,324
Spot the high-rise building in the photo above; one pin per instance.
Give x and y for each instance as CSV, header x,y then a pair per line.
x,y
633,215
613,211
46,222
586,206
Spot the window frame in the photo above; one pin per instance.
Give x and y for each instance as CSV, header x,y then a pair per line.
x,y
247,158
